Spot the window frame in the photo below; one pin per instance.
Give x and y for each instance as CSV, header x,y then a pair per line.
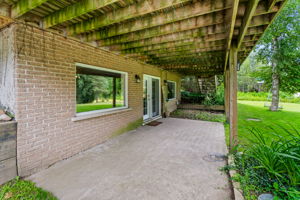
x,y
107,110
175,88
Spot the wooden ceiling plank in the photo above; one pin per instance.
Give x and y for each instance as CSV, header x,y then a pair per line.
x,y
250,10
177,44
185,52
24,6
139,9
162,18
176,37
75,10
190,24
231,29
271,4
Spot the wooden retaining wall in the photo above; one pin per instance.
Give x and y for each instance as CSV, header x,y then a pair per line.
x,y
8,162
201,107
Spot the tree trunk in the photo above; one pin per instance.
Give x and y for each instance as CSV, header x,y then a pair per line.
x,y
275,79
275,88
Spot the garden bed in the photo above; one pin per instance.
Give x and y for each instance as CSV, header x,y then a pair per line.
x,y
213,116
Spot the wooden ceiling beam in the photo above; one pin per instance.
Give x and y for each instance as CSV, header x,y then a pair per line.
x,y
231,29
189,24
203,32
141,8
207,42
24,6
205,59
162,18
195,52
249,12
271,4
75,10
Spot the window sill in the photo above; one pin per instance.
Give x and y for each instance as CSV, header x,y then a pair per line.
x,y
84,116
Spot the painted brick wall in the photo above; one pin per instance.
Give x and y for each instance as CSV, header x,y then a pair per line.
x,y
45,97
7,84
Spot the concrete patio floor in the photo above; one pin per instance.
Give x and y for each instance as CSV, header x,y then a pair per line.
x,y
166,162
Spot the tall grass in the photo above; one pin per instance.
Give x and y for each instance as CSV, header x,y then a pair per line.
x,y
264,96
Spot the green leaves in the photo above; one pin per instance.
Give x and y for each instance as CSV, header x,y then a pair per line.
x,y
281,45
271,162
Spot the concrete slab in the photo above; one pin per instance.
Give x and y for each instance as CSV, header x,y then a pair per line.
x,y
152,163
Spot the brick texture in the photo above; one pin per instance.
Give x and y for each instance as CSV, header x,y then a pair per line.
x,y
46,99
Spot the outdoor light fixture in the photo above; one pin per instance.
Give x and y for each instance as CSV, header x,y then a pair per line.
x,y
165,82
137,78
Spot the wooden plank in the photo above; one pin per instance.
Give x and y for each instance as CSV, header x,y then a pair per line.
x,y
8,170
178,50
231,29
250,10
184,25
116,16
214,40
8,133
170,16
201,107
233,96
75,10
184,36
24,6
227,91
271,4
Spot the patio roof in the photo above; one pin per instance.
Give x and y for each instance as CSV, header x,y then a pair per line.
x,y
187,36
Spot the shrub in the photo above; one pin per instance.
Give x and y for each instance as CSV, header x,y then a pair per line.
x,y
271,165
191,97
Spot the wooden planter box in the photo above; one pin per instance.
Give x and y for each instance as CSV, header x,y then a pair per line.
x,y
201,107
8,163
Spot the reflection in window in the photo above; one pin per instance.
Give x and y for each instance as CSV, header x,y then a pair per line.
x,y
171,90
99,89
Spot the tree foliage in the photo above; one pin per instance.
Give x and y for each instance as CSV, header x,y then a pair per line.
x,y
281,44
90,88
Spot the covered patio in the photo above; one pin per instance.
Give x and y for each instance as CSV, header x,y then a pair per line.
x,y
148,45
173,160
201,38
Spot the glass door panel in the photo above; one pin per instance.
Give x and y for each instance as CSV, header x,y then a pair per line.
x,y
155,97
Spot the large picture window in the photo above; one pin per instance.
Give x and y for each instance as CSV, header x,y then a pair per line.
x,y
99,89
171,90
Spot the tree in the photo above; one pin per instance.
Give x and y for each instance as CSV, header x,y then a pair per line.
x,y
279,51
247,81
89,88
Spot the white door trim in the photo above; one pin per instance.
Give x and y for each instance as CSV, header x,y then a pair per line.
x,y
149,90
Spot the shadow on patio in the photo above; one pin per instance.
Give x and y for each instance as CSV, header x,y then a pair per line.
x,y
169,162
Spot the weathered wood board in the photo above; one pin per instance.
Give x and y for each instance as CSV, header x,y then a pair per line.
x,y
8,165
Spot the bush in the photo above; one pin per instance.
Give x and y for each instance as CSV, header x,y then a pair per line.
x,y
191,97
271,165
216,98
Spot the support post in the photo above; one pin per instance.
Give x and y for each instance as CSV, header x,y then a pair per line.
x,y
114,91
226,90
233,95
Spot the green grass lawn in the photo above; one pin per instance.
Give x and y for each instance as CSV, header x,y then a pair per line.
x,y
91,106
22,189
288,116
